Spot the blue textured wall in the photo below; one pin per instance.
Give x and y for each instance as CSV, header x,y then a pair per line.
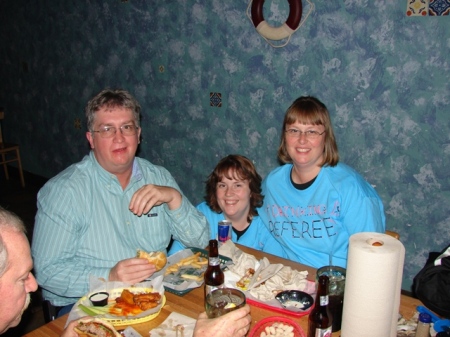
x,y
383,75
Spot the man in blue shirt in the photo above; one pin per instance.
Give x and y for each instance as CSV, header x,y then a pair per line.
x,y
93,216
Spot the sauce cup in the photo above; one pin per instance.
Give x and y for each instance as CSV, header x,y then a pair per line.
x,y
99,299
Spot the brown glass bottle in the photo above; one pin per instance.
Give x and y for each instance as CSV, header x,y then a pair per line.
x,y
320,320
214,277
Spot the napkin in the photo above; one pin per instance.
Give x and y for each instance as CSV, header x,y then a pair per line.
x,y
184,324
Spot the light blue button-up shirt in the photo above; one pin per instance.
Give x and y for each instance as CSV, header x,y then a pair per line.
x,y
84,227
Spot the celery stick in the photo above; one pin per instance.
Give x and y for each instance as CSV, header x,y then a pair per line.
x,y
94,311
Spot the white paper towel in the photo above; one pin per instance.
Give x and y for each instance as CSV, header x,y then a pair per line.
x,y
373,285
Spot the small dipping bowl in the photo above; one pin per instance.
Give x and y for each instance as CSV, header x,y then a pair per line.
x,y
99,299
295,300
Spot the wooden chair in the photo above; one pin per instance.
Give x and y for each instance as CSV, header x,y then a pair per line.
x,y
393,234
9,153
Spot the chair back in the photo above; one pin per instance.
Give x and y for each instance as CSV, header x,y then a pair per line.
x,y
2,116
9,153
393,234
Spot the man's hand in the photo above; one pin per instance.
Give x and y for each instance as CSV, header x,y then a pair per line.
x,y
233,324
132,270
69,331
148,196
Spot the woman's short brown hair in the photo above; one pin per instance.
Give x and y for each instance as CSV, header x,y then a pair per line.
x,y
309,110
235,166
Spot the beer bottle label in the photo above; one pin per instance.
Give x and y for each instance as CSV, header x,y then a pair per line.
x,y
214,261
323,332
323,300
209,288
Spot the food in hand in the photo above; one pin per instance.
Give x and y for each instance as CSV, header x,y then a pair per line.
x,y
133,304
95,327
246,279
278,330
159,259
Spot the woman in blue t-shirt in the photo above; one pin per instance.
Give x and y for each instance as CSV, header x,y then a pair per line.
x,y
313,203
233,192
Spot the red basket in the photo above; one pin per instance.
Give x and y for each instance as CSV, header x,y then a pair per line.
x,y
269,321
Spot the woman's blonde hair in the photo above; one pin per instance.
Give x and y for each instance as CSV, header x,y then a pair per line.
x,y
309,110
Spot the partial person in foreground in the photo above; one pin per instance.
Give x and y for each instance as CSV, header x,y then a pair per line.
x,y
233,192
17,282
313,203
93,216
16,279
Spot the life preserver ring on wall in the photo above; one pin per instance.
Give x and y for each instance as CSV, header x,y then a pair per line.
x,y
281,32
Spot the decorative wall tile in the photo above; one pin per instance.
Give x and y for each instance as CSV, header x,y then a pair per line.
x,y
215,99
439,7
417,7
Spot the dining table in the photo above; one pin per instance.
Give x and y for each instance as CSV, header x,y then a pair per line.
x,y
192,304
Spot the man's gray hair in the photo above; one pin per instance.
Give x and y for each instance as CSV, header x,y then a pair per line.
x,y
11,222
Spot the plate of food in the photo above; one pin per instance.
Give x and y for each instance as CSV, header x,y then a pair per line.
x,y
277,326
125,306
184,270
262,281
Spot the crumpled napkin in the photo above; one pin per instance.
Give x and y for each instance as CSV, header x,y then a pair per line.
x,y
184,324
284,279
230,250
241,261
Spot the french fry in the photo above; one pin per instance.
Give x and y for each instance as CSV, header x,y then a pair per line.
x,y
194,261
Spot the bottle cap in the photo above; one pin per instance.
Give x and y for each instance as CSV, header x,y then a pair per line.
x,y
424,318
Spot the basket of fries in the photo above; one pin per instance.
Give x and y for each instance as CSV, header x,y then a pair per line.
x,y
184,270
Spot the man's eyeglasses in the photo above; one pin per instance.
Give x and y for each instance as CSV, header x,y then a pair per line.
x,y
110,131
309,134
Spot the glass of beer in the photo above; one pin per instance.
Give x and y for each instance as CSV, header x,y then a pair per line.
x,y
223,300
336,288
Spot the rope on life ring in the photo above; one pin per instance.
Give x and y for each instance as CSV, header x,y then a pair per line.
x,y
284,31
281,32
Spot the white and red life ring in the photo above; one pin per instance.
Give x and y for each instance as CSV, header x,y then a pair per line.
x,y
281,32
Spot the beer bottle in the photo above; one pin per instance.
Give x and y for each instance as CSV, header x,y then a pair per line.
x,y
319,321
214,277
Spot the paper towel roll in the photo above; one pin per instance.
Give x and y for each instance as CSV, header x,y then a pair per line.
x,y
373,286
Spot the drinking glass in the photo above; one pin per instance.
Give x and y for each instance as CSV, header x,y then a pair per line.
x,y
336,289
223,300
